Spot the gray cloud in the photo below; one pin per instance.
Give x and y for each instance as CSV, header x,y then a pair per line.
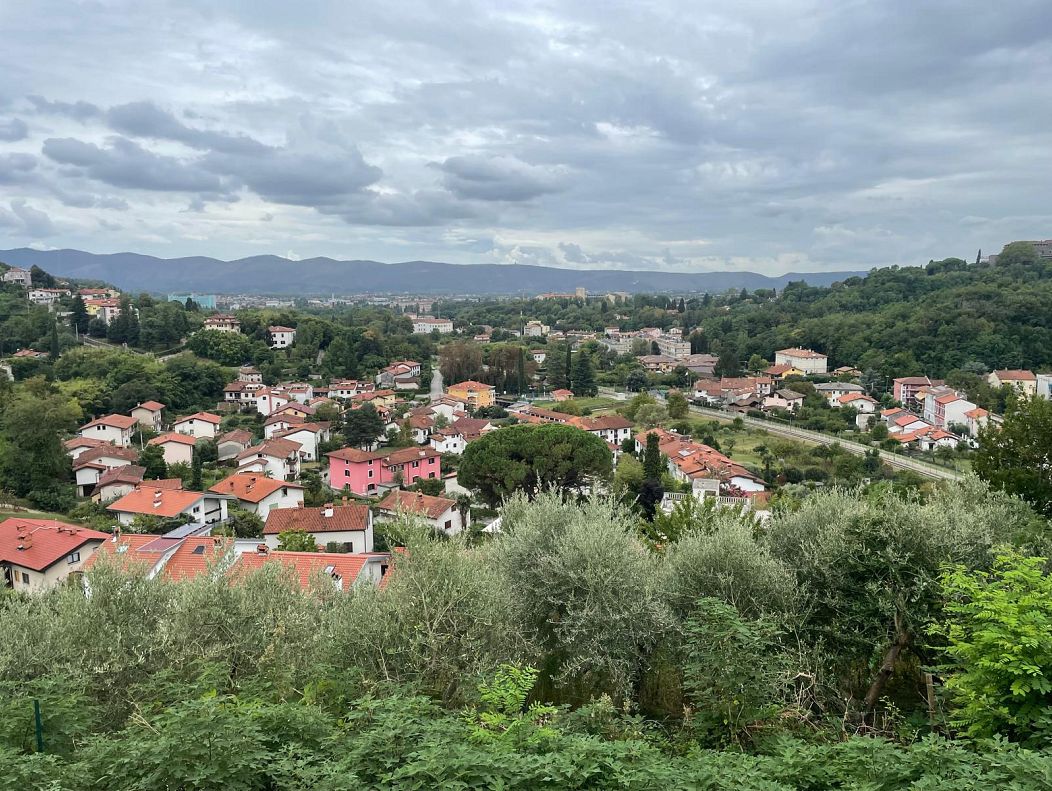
x,y
662,135
23,220
125,163
500,178
12,130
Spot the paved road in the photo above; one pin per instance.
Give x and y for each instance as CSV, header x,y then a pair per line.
x,y
891,459
437,390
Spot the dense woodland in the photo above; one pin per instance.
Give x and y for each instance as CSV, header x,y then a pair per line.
x,y
566,653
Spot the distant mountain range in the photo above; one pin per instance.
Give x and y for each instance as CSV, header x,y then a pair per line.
x,y
271,274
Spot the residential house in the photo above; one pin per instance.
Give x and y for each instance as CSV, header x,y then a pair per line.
x,y
178,556
441,513
474,394
832,391
658,363
21,277
177,448
470,428
343,570
448,441
37,554
310,437
249,375
539,356
902,422
233,443
74,447
243,394
905,388
105,310
259,494
562,394
47,296
1044,386
200,425
364,472
976,420
115,429
281,337
278,458
613,429
149,415
783,398
847,371
421,425
806,360
700,364
860,402
944,406
270,400
92,463
347,524
1023,381
221,322
117,482
200,508
535,329
691,461
425,325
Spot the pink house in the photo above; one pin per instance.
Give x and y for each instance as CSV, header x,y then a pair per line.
x,y
364,471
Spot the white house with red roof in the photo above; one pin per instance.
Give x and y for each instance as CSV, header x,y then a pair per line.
x,y
278,458
200,425
439,512
196,507
37,554
117,482
1022,380
115,429
92,463
348,524
232,443
21,277
310,437
259,494
425,325
177,448
806,360
281,337
149,414
944,406
860,402
222,322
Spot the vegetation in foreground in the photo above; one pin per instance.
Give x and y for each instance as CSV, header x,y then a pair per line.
x,y
566,653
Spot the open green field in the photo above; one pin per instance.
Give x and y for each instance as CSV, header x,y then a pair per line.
x,y
7,512
596,403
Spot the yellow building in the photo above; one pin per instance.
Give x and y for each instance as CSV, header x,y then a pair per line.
x,y
474,394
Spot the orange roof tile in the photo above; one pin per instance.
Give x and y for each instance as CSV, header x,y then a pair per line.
x,y
43,542
251,488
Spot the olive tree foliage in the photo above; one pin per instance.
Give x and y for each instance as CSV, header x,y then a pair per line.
x,y
868,567
584,588
443,618
720,557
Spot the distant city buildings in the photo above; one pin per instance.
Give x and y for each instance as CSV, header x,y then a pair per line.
x,y
206,301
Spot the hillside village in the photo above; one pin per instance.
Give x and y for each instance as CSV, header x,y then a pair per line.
x,y
317,461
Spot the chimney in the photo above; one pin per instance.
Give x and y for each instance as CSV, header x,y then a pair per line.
x,y
262,549
26,541
326,510
343,500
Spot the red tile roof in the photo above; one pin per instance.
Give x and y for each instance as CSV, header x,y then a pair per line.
x,y
470,385
129,473
307,566
346,516
416,503
147,499
44,542
796,352
278,328
105,451
114,421
238,435
277,448
206,417
1015,376
173,436
153,406
251,488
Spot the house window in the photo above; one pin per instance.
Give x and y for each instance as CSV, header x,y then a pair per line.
x,y
25,578
74,557
416,464
449,524
370,473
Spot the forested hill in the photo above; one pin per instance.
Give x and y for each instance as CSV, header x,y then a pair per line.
x,y
933,320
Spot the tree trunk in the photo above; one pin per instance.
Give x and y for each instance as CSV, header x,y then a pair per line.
x,y
887,667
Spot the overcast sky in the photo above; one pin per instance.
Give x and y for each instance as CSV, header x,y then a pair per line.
x,y
691,136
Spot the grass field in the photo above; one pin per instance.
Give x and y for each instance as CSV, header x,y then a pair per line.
x,y
6,513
